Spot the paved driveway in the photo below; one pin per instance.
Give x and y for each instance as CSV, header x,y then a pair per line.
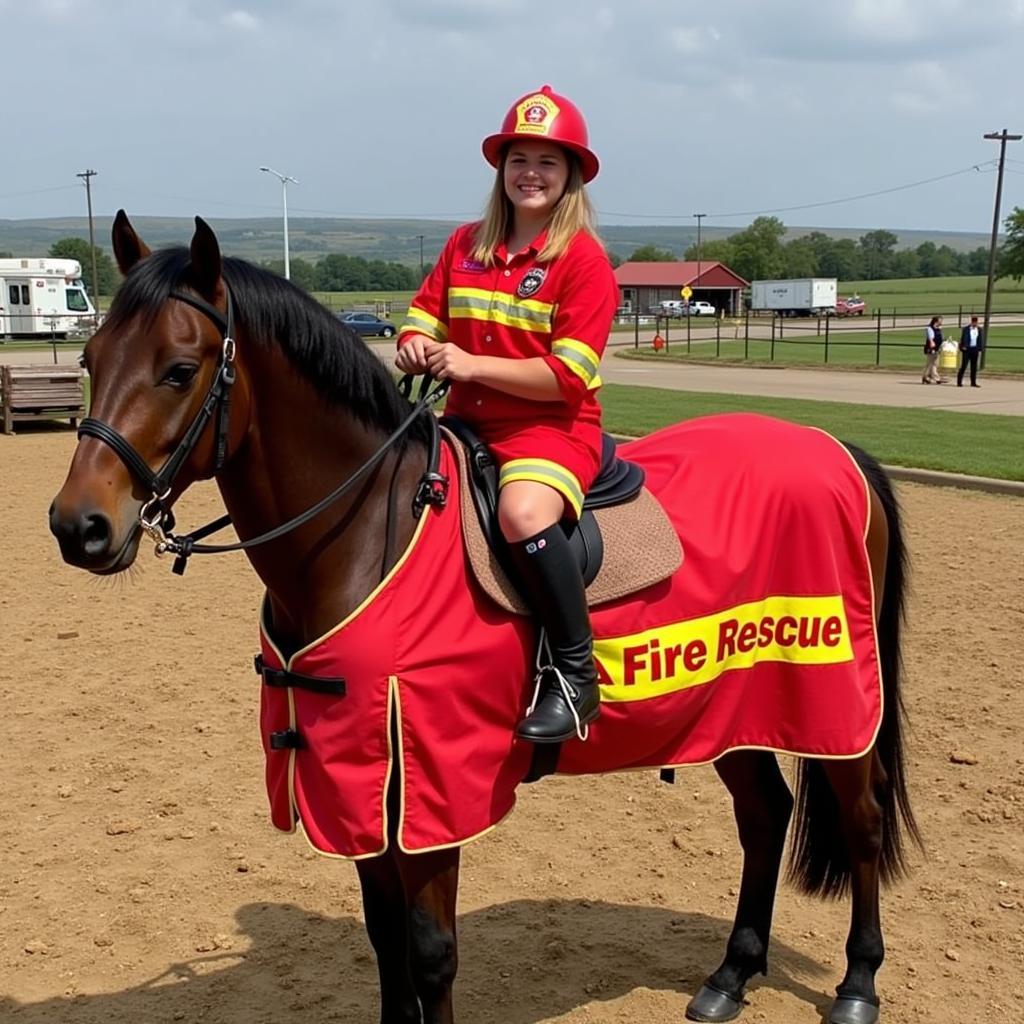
x,y
1005,395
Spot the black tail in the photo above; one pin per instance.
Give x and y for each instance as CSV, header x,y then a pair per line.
x,y
820,862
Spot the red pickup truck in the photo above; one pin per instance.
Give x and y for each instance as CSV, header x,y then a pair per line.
x,y
853,306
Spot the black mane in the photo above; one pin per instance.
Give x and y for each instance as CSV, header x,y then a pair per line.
x,y
269,310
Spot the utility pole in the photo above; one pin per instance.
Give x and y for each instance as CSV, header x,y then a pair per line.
x,y
700,217
1003,138
420,237
85,176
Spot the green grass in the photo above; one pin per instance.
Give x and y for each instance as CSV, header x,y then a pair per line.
x,y
953,442
346,300
928,295
899,350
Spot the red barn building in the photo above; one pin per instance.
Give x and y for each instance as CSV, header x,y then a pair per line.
x,y
642,286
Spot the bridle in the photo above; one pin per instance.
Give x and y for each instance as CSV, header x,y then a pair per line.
x,y
156,518
155,514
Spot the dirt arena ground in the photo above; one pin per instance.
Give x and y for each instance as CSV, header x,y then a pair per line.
x,y
141,883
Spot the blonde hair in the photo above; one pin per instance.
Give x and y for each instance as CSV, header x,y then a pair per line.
x,y
573,212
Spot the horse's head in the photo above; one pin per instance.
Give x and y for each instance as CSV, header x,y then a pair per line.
x,y
158,367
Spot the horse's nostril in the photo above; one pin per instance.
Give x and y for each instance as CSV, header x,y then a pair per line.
x,y
96,535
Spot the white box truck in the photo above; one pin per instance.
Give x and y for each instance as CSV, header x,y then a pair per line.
x,y
40,296
802,296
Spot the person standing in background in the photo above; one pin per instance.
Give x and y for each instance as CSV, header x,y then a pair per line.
x,y
932,345
972,344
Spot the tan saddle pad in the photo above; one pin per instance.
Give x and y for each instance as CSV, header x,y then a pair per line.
x,y
640,547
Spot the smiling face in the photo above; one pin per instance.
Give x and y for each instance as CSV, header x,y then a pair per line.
x,y
535,175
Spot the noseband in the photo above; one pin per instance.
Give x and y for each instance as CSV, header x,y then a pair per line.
x,y
156,517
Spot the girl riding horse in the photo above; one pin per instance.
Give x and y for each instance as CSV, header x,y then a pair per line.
x,y
516,314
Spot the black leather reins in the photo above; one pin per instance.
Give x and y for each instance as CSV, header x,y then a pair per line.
x,y
156,517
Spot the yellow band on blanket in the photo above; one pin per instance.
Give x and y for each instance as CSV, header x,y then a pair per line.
x,y
679,655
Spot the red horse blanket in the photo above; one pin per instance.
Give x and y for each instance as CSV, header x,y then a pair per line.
x,y
764,638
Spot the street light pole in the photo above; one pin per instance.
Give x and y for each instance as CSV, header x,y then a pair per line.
x,y
284,179
86,176
420,237
1003,137
700,217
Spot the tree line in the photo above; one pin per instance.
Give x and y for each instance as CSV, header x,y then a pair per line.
x,y
759,253
337,272
756,253
334,273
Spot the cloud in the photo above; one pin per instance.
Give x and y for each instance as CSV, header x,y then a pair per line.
x,y
379,108
58,10
685,40
242,20
459,15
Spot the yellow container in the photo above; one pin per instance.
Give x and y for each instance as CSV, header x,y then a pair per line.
x,y
947,359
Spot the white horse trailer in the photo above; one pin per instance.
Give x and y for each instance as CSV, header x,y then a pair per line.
x,y
43,297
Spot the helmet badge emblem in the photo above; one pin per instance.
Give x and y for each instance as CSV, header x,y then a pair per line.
x,y
536,114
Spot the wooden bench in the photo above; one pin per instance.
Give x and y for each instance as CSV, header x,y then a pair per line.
x,y
41,392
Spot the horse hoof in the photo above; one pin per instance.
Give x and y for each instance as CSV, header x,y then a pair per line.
x,y
853,1011
713,1006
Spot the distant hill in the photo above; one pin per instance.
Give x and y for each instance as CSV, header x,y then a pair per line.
x,y
259,238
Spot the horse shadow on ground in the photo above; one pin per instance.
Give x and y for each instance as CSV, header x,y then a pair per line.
x,y
521,963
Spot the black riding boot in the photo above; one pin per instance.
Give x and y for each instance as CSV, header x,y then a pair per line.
x,y
552,585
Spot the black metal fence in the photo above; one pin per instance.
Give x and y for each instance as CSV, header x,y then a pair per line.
x,y
873,339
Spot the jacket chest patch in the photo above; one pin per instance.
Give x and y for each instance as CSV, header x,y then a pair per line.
x,y
531,282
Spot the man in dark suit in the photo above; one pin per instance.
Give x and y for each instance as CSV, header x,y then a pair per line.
x,y
972,343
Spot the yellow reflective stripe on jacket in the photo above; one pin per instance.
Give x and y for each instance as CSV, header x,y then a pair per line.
x,y
580,358
419,321
500,308
545,472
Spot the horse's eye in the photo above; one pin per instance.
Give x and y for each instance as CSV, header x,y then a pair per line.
x,y
180,375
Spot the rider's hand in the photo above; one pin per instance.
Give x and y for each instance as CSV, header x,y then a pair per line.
x,y
412,357
449,362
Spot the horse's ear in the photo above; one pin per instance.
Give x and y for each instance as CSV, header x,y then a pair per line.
x,y
128,247
206,264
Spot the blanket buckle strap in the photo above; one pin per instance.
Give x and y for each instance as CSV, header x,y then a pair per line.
x,y
284,678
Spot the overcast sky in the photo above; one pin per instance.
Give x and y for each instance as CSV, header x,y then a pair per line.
x,y
378,107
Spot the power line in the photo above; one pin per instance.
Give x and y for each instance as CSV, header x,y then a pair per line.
x,y
463,215
812,206
38,191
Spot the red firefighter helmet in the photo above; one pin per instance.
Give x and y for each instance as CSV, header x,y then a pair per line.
x,y
544,115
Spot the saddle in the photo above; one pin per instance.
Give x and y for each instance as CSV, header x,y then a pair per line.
x,y
623,540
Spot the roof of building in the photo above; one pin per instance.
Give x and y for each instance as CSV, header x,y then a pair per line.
x,y
677,274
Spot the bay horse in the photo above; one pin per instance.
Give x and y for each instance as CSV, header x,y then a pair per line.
x,y
210,367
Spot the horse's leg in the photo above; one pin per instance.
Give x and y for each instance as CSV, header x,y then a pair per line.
x,y
855,784
762,804
431,882
387,923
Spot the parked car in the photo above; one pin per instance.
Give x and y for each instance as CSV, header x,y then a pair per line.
x,y
677,307
368,325
699,308
853,306
670,307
